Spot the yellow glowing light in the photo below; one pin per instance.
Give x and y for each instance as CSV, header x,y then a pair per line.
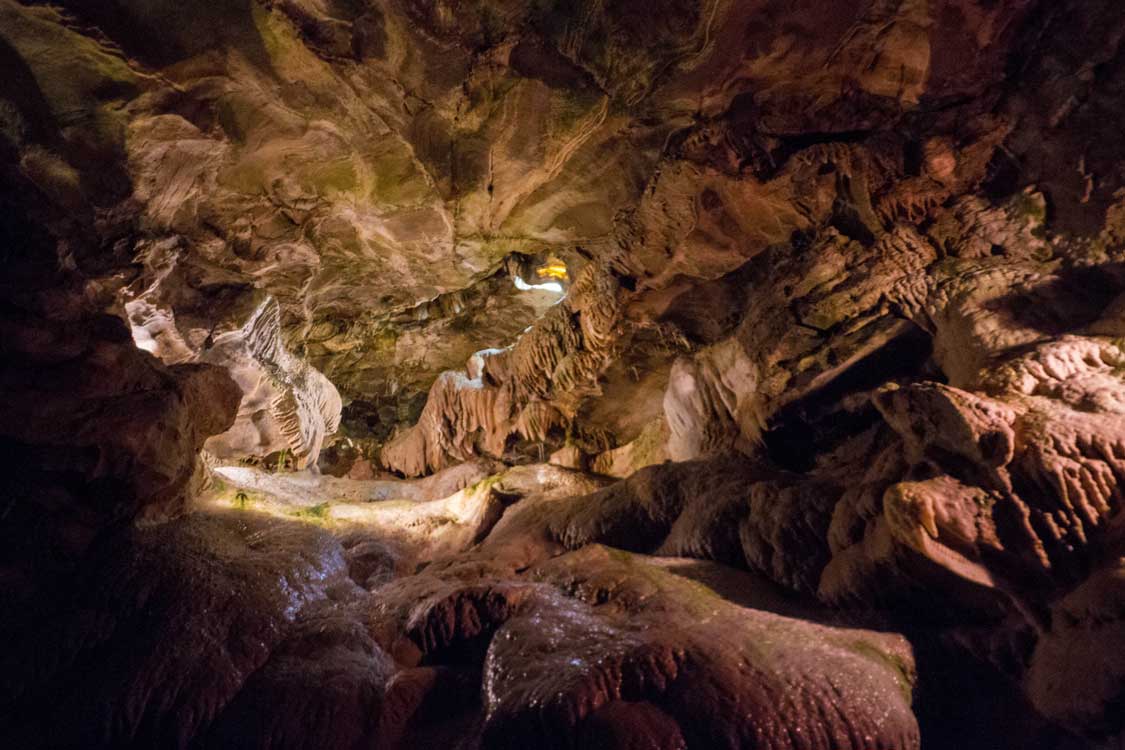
x,y
553,270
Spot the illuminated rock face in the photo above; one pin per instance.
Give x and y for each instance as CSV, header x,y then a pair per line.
x,y
305,643
718,341
287,405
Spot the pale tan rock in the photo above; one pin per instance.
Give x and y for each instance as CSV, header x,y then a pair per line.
x,y
648,448
286,404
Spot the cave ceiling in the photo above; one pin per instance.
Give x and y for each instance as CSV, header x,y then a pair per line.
x,y
381,170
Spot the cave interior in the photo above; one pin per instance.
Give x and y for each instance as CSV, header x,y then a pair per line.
x,y
562,374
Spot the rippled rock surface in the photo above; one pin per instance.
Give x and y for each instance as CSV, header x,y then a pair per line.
x,y
233,628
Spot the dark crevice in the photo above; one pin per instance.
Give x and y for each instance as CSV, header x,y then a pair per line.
x,y
816,423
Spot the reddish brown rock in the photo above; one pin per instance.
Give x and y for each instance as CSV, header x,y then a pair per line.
x,y
97,432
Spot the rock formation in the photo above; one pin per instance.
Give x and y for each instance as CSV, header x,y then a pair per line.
x,y
689,374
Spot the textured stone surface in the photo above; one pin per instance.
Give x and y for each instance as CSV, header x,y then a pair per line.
x,y
286,404
835,290
94,434
382,215
1076,670
298,651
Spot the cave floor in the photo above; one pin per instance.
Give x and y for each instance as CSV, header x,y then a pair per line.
x,y
296,610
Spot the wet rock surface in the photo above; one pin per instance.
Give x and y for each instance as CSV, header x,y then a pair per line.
x,y
233,628
688,374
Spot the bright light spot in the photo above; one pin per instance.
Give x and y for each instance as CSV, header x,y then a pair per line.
x,y
555,269
144,340
550,286
238,474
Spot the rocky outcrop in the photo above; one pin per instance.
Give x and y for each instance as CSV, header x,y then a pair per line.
x,y
588,645
528,391
110,435
286,404
95,433
673,626
1076,671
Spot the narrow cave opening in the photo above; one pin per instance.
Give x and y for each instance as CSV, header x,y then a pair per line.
x,y
542,272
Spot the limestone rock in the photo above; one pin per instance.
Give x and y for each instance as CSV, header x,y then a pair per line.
x,y
1076,673
286,404
726,674
832,293
110,435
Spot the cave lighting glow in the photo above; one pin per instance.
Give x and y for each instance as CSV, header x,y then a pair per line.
x,y
144,340
549,286
555,269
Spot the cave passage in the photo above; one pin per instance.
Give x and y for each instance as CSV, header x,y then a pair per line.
x,y
568,374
